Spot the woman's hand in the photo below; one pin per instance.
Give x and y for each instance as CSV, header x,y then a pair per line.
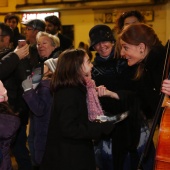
x,y
166,87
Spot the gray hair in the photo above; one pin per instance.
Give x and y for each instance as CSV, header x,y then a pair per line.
x,y
55,41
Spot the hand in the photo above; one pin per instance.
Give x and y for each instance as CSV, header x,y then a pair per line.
x,y
22,52
166,87
102,91
27,84
36,80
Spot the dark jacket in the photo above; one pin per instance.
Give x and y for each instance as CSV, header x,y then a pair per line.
x,y
36,61
12,82
17,36
65,42
115,75
8,64
9,124
149,86
39,102
70,134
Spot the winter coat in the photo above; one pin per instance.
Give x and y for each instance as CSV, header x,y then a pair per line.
x,y
9,124
149,85
8,64
65,42
39,102
70,134
14,89
14,75
115,75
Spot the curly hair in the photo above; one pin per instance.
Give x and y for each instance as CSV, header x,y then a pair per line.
x,y
120,20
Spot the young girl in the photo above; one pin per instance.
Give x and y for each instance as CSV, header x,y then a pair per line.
x,y
70,134
39,100
9,123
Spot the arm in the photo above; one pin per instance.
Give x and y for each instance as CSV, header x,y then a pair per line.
x,y
39,101
9,62
104,92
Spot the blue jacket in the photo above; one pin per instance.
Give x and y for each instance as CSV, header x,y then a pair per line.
x,y
39,102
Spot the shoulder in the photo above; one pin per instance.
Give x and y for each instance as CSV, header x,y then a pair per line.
x,y
64,38
45,83
157,55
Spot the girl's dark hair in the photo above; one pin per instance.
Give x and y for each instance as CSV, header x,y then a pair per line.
x,y
5,108
120,21
135,34
68,70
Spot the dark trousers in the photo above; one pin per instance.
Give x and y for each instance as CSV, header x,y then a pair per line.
x,y
20,150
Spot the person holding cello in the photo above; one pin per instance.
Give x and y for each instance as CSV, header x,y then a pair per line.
x,y
141,46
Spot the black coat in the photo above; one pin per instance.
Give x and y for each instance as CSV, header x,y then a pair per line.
x,y
115,75
70,134
149,86
17,36
15,74
8,64
65,42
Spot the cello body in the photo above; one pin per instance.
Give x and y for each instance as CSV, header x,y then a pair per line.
x,y
162,158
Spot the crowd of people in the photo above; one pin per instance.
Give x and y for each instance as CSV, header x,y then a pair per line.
x,y
64,94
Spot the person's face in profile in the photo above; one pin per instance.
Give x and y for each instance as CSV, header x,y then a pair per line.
x,y
133,53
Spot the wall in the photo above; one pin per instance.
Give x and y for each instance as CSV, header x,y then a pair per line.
x,y
83,20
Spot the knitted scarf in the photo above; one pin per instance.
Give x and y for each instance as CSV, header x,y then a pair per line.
x,y
93,104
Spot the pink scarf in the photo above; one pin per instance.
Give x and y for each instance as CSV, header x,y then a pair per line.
x,y
93,104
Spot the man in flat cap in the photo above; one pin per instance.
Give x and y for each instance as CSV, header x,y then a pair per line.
x,y
31,30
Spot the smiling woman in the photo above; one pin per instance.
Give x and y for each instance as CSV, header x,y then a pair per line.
x,y
46,44
138,42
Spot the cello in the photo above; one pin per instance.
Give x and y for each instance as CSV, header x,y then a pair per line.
x,y
162,158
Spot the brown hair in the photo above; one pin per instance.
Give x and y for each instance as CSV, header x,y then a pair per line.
x,y
5,108
135,34
68,70
120,20
140,33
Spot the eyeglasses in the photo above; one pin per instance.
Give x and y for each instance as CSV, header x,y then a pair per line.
x,y
29,29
